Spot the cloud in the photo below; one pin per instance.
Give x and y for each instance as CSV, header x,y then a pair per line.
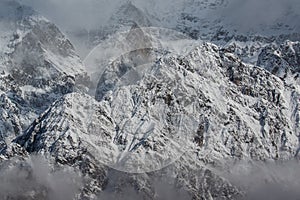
x,y
124,186
266,180
33,178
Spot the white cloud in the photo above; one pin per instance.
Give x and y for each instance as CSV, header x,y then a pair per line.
x,y
34,178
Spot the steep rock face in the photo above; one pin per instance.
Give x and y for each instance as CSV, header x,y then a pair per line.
x,y
233,88
91,148
208,105
34,51
10,122
281,60
64,131
38,65
44,63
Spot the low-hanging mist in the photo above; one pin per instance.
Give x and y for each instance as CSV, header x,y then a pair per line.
x,y
35,178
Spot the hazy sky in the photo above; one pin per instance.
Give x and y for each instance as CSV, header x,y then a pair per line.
x,y
69,14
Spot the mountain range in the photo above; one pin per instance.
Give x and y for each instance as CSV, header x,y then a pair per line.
x,y
155,103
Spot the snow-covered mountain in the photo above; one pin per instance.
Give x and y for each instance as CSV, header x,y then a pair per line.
x,y
151,113
208,106
38,66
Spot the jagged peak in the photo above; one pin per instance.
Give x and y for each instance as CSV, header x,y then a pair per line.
x,y
129,14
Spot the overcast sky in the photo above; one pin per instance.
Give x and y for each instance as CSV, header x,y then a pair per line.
x,y
70,14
